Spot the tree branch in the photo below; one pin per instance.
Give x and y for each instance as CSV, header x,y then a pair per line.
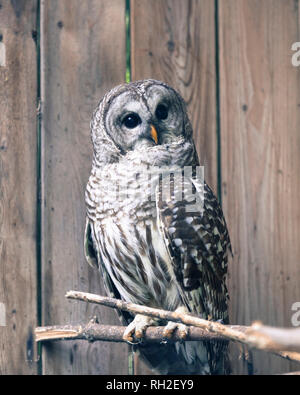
x,y
287,339
254,337
290,374
95,332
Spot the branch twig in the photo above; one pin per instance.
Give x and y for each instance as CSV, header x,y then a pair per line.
x,y
226,331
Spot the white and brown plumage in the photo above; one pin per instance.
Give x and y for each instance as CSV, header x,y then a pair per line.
x,y
150,247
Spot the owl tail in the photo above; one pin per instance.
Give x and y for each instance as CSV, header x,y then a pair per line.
x,y
199,358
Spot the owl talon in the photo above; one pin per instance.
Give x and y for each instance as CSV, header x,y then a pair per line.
x,y
137,328
132,342
171,327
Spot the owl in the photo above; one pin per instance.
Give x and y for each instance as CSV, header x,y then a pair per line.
x,y
154,228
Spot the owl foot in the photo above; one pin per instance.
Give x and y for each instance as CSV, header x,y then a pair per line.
x,y
172,326
136,329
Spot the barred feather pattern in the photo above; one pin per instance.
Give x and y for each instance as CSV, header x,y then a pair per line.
x,y
151,249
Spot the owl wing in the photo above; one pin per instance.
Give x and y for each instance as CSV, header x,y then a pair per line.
x,y
197,239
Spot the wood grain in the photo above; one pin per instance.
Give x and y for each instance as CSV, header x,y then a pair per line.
x,y
260,142
174,41
83,55
18,148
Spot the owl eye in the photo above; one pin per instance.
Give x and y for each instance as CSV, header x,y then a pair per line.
x,y
161,112
131,121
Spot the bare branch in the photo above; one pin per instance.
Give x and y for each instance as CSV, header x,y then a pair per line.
x,y
96,332
275,338
188,319
228,332
290,374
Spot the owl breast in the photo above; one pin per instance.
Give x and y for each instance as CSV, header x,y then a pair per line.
x,y
132,248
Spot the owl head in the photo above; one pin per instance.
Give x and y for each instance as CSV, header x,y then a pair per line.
x,y
141,114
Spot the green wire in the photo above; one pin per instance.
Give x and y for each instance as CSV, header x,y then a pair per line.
x,y
128,63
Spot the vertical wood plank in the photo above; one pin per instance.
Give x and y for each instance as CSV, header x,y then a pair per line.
x,y
174,41
83,55
260,140
18,149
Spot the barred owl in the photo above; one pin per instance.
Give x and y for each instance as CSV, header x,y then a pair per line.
x,y
156,246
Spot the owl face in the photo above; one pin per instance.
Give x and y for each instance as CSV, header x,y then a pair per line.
x,y
147,114
144,114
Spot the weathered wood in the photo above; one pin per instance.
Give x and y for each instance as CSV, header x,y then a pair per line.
x,y
18,149
83,55
174,41
260,140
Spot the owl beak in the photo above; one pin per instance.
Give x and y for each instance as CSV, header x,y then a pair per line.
x,y
154,134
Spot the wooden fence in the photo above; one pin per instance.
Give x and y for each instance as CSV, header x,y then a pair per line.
x,y
231,60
